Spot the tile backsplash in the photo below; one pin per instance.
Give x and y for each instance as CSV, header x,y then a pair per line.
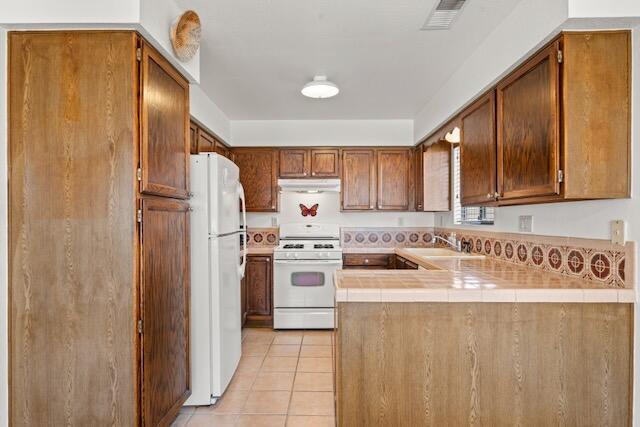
x,y
589,259
267,236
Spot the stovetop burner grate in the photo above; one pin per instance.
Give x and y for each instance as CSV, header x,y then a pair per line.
x,y
323,246
293,246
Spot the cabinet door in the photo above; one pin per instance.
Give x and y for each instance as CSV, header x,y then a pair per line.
x,y
222,149
358,179
418,177
193,137
259,177
243,301
478,152
206,142
394,175
528,128
164,123
325,163
259,295
164,309
294,163
436,166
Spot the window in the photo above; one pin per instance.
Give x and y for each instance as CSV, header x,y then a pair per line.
x,y
468,214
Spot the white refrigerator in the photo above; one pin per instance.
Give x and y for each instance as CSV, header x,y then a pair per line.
x,y
217,267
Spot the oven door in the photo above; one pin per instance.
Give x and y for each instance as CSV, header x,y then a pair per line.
x,y
304,283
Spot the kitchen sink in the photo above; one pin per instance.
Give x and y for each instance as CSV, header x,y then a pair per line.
x,y
441,253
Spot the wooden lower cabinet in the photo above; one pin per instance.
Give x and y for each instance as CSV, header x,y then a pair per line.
x,y
405,264
489,364
98,271
368,261
259,290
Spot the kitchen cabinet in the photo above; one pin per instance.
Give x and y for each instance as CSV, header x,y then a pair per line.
x,y
478,152
325,163
259,283
99,279
405,264
165,297
418,177
203,141
243,301
259,177
193,137
164,124
294,163
206,142
368,261
436,167
394,179
358,190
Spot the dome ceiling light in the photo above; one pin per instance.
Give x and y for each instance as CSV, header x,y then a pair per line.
x,y
320,88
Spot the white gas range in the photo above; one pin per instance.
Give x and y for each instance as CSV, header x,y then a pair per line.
x,y
304,263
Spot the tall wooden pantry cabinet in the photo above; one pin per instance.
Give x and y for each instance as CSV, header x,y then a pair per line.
x,y
99,231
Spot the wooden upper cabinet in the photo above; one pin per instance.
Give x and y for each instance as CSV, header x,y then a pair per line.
x,y
325,163
418,178
394,177
223,150
478,152
165,130
294,163
206,142
193,137
259,177
436,167
528,128
358,179
164,297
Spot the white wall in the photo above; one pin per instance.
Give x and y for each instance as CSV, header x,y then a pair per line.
x,y
603,9
321,132
329,212
4,338
209,114
529,25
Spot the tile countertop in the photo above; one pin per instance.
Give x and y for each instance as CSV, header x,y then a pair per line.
x,y
469,280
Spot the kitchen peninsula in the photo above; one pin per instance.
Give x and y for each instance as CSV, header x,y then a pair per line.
x,y
479,341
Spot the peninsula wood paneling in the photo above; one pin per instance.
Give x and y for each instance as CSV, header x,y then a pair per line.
x,y
459,364
72,277
164,117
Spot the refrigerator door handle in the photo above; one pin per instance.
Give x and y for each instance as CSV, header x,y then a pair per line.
x,y
242,267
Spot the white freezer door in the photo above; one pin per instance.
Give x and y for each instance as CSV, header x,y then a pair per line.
x,y
226,321
224,195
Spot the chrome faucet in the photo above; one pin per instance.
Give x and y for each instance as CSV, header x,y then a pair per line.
x,y
452,241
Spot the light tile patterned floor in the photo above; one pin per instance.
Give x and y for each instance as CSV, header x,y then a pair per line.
x,y
283,379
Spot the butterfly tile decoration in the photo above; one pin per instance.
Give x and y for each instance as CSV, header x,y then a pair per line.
x,y
312,211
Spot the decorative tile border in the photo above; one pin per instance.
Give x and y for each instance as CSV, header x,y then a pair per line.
x,y
588,259
263,236
385,237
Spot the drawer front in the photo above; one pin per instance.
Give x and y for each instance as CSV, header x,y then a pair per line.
x,y
366,260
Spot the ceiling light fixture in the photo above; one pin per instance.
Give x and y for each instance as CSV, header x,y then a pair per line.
x,y
320,88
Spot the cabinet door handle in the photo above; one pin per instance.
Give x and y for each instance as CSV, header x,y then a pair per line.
x,y
497,195
366,261
489,196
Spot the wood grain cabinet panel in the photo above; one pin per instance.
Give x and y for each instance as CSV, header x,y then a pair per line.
x,y
418,178
206,142
394,179
325,163
259,282
358,190
83,270
478,152
193,137
528,131
164,122
259,177
164,299
294,163
367,261
436,166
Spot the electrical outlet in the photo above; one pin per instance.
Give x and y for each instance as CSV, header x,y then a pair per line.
x,y
525,223
617,232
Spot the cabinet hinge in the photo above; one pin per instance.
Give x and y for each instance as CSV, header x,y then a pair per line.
x,y
139,215
140,326
560,57
139,174
139,54
560,176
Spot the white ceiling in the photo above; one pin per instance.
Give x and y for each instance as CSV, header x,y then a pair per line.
x,y
257,54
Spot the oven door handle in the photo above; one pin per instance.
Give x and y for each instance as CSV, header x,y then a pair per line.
x,y
307,262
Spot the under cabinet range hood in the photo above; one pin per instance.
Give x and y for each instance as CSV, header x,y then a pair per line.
x,y
309,185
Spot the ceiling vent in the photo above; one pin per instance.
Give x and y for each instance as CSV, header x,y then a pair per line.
x,y
443,15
